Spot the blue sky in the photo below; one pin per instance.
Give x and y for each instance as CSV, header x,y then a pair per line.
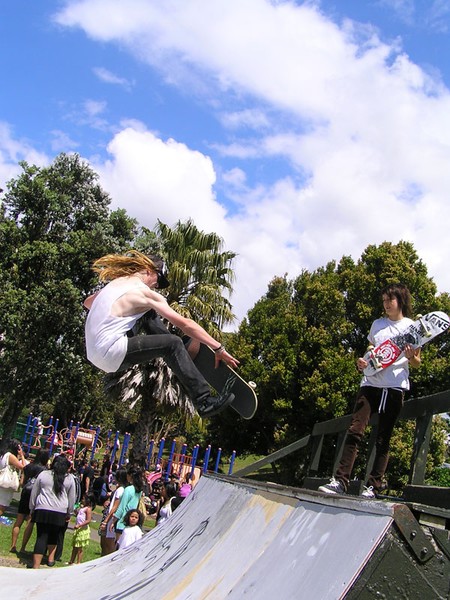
x,y
298,131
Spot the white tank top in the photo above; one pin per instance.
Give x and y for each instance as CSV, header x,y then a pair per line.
x,y
106,335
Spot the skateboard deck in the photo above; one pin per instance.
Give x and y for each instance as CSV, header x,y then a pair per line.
x,y
419,333
225,378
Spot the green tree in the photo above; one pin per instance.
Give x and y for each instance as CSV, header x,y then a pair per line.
x,y
54,222
200,275
301,340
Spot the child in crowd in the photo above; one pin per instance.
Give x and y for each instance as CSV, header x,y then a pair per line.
x,y
134,520
186,486
82,530
167,503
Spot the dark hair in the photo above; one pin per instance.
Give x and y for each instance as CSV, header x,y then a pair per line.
x,y
89,500
60,467
121,476
9,445
42,457
137,476
126,518
403,296
171,489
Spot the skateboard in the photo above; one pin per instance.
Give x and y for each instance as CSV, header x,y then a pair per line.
x,y
419,333
225,379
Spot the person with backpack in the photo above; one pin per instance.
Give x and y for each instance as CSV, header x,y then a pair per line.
x,y
29,474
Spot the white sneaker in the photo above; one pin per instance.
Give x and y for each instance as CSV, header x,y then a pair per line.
x,y
368,492
334,487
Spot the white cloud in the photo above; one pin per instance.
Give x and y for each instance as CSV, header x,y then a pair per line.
x,y
62,142
364,133
12,151
108,77
251,118
404,9
94,107
157,179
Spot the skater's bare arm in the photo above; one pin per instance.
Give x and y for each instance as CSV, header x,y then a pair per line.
x,y
192,329
143,299
196,332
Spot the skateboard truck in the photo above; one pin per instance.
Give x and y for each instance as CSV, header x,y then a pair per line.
x,y
374,358
427,331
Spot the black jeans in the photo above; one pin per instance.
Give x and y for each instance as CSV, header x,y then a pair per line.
x,y
162,344
367,403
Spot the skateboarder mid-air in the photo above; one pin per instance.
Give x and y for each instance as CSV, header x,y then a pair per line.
x,y
115,309
382,393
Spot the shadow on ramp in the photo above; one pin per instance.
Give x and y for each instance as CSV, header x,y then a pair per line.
x,y
233,538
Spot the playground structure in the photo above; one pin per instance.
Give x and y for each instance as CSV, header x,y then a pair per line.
x,y
84,442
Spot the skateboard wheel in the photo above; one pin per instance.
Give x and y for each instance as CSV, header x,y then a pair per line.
x,y
252,384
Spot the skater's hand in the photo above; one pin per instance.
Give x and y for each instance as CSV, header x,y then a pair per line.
x,y
409,351
227,359
361,364
413,355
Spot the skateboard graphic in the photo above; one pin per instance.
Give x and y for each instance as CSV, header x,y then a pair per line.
x,y
419,333
225,379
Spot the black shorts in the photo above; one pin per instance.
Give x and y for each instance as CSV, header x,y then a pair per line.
x,y
24,503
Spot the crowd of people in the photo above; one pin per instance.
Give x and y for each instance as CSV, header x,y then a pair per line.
x,y
56,493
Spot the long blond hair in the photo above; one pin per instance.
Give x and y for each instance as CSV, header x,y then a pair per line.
x,y
112,266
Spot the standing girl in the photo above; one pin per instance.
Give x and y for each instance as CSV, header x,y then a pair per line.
x,y
133,528
382,393
167,506
130,498
82,531
107,531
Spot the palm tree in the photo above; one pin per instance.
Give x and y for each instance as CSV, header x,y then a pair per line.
x,y
200,274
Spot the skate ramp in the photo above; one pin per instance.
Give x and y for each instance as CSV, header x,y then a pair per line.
x,y
229,539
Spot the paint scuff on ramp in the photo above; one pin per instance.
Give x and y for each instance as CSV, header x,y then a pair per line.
x,y
234,538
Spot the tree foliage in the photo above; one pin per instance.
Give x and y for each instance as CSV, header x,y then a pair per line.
x,y
301,340
54,222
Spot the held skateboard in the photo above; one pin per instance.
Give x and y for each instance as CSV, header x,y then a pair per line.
x,y
419,333
225,379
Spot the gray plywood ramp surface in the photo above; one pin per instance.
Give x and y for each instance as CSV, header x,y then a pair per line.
x,y
229,539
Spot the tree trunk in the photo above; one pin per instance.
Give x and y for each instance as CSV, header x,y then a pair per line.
x,y
10,417
143,431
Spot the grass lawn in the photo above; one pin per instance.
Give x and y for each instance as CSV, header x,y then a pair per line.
x,y
92,551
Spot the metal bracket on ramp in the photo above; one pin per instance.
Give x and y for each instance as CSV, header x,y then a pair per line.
x,y
413,534
442,539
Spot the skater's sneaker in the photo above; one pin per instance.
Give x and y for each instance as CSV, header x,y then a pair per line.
x,y
368,492
334,487
213,405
